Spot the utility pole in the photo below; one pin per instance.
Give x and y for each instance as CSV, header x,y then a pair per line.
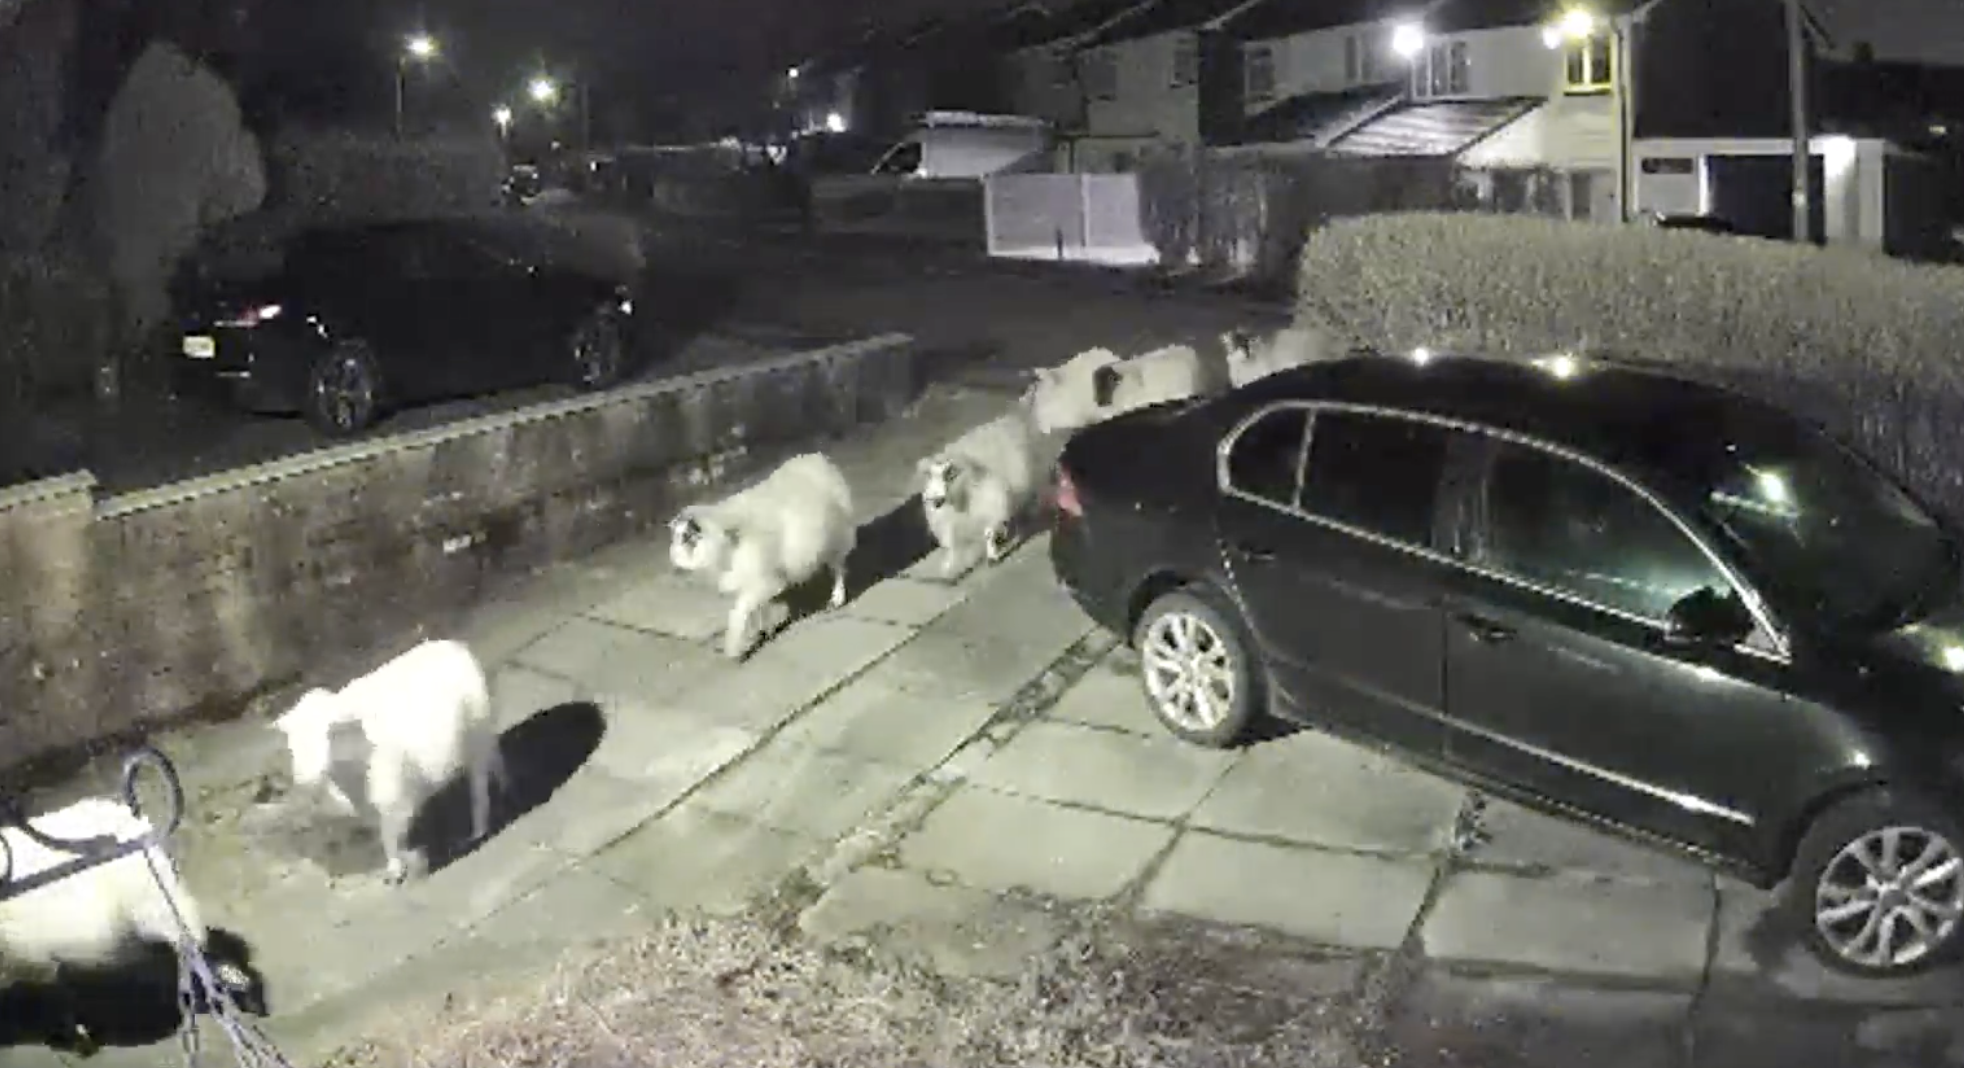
x,y
1797,90
586,119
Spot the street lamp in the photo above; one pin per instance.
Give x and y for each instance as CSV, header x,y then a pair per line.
x,y
417,48
835,123
1407,40
502,116
543,90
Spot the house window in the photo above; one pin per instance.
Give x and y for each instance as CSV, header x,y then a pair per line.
x,y
1259,74
1367,59
1443,70
1186,62
1100,73
1353,60
1588,66
1061,75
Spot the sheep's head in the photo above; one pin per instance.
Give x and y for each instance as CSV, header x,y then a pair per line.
x,y
945,481
1239,345
697,542
1104,384
308,727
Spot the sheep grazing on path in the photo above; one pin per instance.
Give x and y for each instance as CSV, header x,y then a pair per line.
x,y
396,736
979,487
763,541
1173,373
1063,398
1250,358
95,917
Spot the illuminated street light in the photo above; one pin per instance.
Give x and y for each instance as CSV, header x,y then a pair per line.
x,y
1407,40
543,90
835,123
1575,24
502,116
792,74
420,46
416,48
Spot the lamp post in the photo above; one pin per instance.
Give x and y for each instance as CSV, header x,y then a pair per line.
x,y
1803,191
1579,26
1408,43
417,48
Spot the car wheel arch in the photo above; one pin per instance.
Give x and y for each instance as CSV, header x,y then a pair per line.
x,y
1152,587
1786,847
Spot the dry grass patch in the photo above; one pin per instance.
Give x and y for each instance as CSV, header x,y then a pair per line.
x,y
696,993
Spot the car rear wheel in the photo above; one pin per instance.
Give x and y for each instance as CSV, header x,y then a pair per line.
x,y
1198,674
344,390
1878,885
599,350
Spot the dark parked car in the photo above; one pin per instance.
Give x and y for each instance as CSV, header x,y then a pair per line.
x,y
1597,588
361,318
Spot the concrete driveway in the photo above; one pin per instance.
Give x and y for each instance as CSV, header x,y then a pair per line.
x,y
955,770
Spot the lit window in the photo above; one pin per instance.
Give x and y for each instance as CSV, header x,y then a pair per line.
x,y
1588,66
1186,62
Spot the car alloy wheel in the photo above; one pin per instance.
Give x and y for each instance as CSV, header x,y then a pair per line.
x,y
597,352
1891,898
1197,674
343,391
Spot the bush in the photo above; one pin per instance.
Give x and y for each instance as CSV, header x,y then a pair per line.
x,y
1857,342
346,176
55,323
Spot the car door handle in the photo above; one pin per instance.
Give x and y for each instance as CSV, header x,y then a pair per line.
x,y
1485,630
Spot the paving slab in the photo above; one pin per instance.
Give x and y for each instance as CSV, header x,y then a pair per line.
x,y
905,601
808,791
657,742
985,670
694,859
1313,789
1335,899
500,870
1520,838
1152,778
1110,696
1655,932
793,670
890,717
605,659
519,692
1456,1021
667,603
310,946
578,907
955,930
1760,951
594,809
996,841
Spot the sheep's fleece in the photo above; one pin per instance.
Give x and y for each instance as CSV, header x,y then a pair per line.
x,y
978,487
764,540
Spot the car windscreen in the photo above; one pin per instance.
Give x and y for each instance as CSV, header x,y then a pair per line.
x,y
1834,536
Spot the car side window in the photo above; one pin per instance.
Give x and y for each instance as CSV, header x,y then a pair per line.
x,y
1264,461
1564,526
1378,473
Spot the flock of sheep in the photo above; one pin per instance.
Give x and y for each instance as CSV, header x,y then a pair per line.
x,y
395,736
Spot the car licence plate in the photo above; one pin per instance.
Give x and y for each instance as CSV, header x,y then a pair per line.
x,y
200,347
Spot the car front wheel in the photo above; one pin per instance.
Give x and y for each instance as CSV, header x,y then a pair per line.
x,y
344,390
1199,676
599,350
1878,885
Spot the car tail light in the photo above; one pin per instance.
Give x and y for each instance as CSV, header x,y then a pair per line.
x,y
1066,497
254,316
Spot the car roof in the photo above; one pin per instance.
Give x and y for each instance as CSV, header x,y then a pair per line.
x,y
1639,418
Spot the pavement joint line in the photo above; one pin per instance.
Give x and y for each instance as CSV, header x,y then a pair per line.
x,y
1695,1010
587,616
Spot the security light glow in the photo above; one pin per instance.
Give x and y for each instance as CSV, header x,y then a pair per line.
x,y
421,46
835,123
1407,39
501,115
543,90
1578,23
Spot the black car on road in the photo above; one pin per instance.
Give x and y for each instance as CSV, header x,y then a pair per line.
x,y
1601,589
357,319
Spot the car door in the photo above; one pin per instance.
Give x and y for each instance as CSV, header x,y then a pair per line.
x,y
1561,679
472,289
1341,580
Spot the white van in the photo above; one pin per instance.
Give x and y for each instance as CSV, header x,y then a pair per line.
x,y
966,144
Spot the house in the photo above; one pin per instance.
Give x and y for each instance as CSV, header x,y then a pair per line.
x,y
1594,109
1311,72
1040,57
1162,77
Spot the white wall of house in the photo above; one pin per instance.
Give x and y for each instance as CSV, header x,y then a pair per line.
x,y
1512,61
1568,132
1320,61
1151,91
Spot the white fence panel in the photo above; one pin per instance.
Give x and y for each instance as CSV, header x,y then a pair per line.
x,y
1073,217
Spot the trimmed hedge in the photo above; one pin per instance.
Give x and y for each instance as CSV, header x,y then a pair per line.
x,y
1862,344
344,176
55,324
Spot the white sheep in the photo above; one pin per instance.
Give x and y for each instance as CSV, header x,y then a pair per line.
x,y
1173,373
978,487
1062,398
765,540
94,917
397,735
1250,358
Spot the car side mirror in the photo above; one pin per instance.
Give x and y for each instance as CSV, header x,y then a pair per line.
x,y
1705,618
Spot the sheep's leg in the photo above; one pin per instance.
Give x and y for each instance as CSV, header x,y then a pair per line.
x,y
743,613
995,543
480,773
395,821
838,582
